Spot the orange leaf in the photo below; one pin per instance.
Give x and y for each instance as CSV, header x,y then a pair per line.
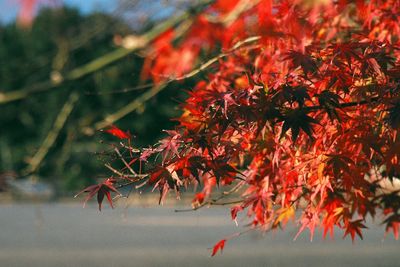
x,y
320,171
285,215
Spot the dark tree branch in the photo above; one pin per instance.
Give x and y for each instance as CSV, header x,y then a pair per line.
x,y
343,105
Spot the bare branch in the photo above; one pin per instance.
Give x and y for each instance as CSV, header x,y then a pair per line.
x,y
51,137
134,105
344,105
211,203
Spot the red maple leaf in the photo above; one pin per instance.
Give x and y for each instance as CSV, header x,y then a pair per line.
x,y
114,130
102,189
354,228
218,246
306,62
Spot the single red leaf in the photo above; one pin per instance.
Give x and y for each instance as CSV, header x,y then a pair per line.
x,y
218,246
234,211
305,61
91,190
102,189
354,228
114,130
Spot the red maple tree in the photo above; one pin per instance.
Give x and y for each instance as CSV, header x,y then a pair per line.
x,y
297,113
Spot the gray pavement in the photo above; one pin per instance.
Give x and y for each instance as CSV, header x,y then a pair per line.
x,y
44,235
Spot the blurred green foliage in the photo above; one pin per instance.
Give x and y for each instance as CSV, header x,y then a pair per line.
x,y
58,41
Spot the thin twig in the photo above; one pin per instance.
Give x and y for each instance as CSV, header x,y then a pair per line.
x,y
210,203
132,177
214,202
235,188
124,161
133,181
131,149
108,166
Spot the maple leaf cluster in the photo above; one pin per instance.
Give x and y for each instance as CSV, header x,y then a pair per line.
x,y
298,115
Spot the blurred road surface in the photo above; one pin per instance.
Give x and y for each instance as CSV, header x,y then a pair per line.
x,y
65,235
